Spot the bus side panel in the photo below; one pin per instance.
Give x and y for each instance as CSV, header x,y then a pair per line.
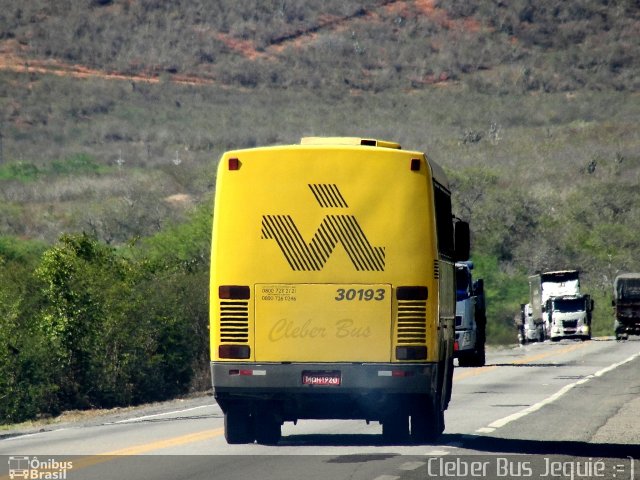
x,y
447,306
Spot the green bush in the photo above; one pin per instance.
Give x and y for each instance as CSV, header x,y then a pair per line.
x,y
26,385
84,324
117,330
76,164
20,171
504,292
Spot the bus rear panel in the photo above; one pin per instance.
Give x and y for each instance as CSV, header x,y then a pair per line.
x,y
329,295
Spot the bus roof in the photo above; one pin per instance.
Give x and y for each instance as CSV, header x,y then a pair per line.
x,y
368,142
437,172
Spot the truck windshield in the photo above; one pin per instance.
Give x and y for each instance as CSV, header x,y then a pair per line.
x,y
569,305
560,277
629,289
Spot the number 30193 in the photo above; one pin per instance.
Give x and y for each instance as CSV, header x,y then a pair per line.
x,y
362,294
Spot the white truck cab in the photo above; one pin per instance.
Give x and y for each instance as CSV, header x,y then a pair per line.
x,y
569,317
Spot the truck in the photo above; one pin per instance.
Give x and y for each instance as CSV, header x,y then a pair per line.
x,y
626,304
528,330
558,308
332,290
471,318
570,316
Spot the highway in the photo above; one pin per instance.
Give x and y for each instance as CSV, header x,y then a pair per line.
x,y
573,402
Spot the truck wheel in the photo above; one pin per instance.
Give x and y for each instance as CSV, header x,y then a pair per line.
x,y
238,427
268,429
475,359
464,361
395,428
479,358
522,340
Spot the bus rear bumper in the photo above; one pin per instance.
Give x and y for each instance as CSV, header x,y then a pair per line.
x,y
305,390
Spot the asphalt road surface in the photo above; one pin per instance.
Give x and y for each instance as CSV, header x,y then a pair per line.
x,y
554,410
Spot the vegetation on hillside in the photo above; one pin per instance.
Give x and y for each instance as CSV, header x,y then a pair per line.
x,y
372,46
106,182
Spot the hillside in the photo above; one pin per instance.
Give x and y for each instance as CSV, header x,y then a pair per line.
x,y
113,114
370,46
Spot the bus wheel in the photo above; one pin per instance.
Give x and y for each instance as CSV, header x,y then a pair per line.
x,y
395,428
238,427
427,423
268,429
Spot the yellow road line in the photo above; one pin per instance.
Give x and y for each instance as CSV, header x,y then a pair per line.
x,y
473,372
169,442
533,358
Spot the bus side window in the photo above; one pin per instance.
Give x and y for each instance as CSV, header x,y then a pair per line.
x,y
444,224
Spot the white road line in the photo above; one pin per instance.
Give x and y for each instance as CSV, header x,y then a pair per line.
x,y
411,465
437,453
146,417
485,430
387,477
537,406
27,435
128,420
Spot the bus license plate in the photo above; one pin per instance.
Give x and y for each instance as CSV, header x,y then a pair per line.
x,y
321,378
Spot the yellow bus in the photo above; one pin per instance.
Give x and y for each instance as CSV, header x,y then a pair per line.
x,y
333,288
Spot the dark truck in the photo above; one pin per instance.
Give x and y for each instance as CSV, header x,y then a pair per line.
x,y
626,304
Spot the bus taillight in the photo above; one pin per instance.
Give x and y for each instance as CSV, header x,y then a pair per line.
x,y
234,164
411,353
234,292
412,293
234,351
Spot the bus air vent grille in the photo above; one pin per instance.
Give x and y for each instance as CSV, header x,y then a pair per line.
x,y
234,322
411,322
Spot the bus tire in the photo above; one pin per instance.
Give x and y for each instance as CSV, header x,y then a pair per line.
x,y
268,429
427,423
238,427
395,428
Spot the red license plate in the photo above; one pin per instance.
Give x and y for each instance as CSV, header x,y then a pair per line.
x,y
331,379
